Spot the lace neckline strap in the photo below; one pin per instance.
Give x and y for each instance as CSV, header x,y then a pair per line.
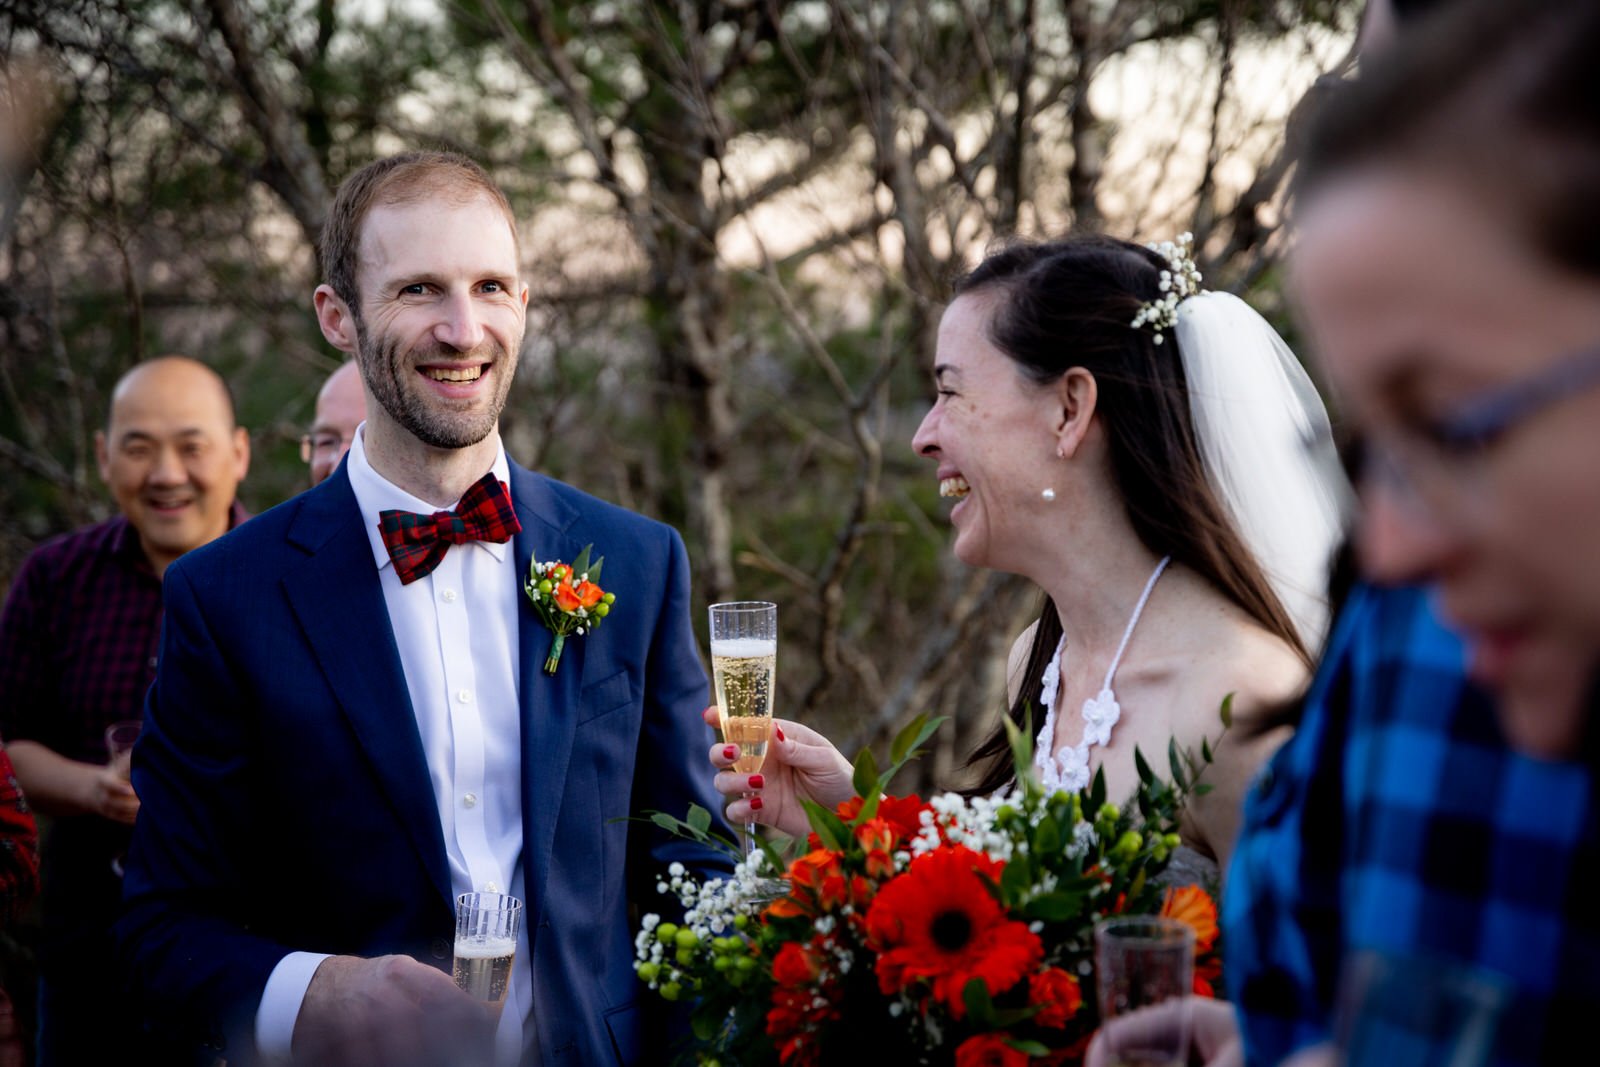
x,y
1068,767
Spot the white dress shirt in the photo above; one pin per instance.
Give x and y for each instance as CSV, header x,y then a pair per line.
x,y
456,630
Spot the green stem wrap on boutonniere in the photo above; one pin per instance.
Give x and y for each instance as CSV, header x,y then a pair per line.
x,y
568,599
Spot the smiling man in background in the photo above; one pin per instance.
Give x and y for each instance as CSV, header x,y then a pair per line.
x,y
341,408
78,650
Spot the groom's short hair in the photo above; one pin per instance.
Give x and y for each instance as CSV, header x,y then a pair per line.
x,y
396,180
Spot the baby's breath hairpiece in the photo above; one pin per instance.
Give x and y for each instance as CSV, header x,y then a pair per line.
x,y
1179,281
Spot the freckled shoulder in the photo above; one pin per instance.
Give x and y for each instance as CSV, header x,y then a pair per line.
x,y
1261,671
1265,676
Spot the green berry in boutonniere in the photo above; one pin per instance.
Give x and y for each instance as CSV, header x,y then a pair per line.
x,y
568,598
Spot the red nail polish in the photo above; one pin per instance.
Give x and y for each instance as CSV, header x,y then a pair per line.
x,y
730,752
755,803
757,781
779,731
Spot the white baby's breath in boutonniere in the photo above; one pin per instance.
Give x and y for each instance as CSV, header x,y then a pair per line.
x,y
568,599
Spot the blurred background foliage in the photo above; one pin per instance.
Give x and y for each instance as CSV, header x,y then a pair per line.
x,y
740,219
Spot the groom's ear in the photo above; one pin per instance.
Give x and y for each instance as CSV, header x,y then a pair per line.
x,y
1076,393
338,324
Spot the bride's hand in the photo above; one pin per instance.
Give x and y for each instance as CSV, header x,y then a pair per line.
x,y
800,763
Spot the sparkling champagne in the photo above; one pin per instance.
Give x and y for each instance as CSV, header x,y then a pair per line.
x,y
743,669
483,968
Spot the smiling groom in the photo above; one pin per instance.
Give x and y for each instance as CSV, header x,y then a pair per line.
x,y
339,741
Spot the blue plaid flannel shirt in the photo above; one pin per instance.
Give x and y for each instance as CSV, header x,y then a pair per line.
x,y
1397,819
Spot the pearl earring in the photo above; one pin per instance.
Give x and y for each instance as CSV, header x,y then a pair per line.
x,y
1048,494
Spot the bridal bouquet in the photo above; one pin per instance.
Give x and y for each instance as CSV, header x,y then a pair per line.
x,y
945,931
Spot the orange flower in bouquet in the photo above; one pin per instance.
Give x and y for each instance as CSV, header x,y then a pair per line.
x,y
952,930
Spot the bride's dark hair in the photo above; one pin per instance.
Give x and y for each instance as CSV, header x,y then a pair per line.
x,y
1069,303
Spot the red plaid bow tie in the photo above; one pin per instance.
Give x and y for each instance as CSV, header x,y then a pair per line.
x,y
417,543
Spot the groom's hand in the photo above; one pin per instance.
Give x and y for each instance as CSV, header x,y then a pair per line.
x,y
389,1012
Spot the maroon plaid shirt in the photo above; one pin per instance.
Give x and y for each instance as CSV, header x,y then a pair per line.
x,y
78,639
19,847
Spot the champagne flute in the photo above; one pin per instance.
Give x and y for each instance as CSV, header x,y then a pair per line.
x,y
486,945
120,737
1141,962
744,658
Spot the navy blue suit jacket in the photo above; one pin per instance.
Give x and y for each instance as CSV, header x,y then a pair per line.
x,y
286,799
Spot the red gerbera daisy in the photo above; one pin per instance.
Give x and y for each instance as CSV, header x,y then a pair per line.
x,y
989,1050
939,922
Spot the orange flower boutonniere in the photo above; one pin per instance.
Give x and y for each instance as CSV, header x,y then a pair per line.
x,y
568,599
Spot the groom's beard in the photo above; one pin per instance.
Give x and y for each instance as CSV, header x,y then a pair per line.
x,y
390,376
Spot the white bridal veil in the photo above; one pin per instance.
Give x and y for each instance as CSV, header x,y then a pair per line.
x,y
1266,443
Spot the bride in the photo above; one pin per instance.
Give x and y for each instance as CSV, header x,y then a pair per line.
x,y
1155,459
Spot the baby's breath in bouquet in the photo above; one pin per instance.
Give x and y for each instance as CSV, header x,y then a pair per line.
x,y
954,930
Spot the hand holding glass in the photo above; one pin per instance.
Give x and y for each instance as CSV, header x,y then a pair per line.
x,y
1418,1010
744,658
1140,963
487,925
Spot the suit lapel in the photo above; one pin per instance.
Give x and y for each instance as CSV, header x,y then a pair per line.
x,y
338,601
550,703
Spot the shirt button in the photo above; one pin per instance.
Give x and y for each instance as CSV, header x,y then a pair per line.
x,y
449,596
469,800
152,663
491,887
463,696
440,948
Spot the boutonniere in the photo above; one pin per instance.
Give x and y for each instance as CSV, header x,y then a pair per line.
x,y
568,598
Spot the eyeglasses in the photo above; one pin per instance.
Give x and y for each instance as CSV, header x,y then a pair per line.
x,y
325,443
1441,463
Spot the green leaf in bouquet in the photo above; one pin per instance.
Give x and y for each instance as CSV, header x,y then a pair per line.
x,y
865,776
1146,775
775,858
678,828
669,823
829,827
1057,906
1016,879
1020,738
699,819
1179,779
1082,885
1226,711
1205,751
1030,1048
1097,792
906,745
580,564
707,1021
980,1008
1047,838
